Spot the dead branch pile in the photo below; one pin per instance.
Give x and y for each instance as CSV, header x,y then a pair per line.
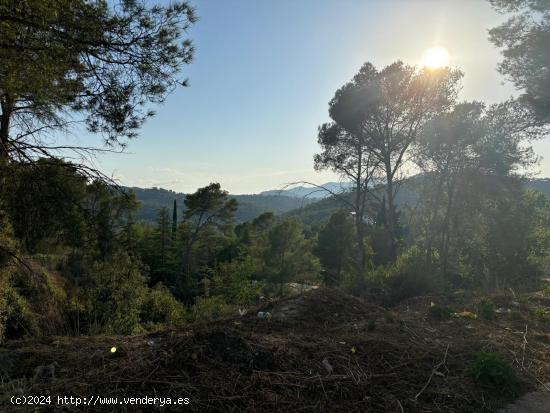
x,y
322,351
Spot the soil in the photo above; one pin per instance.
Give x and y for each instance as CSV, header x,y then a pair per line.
x,y
323,351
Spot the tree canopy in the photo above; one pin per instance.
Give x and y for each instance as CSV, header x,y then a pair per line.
x,y
102,63
524,40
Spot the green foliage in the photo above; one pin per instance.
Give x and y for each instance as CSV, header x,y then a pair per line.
x,y
524,40
32,302
542,313
116,292
334,246
546,290
16,317
64,57
43,202
371,325
288,256
8,244
208,219
161,309
481,224
356,147
52,205
236,282
249,206
490,369
407,277
486,308
210,308
440,313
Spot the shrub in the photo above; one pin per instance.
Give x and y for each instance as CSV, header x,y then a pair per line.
x,y
16,317
490,369
359,284
235,281
161,308
31,303
440,313
408,277
210,308
44,291
371,325
542,313
486,308
116,291
546,290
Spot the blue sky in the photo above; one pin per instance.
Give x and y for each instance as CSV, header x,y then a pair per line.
x,y
264,72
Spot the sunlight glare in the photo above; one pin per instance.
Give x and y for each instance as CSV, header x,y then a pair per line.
x,y
435,57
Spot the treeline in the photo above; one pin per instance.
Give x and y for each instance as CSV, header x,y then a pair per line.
x,y
249,206
473,224
75,262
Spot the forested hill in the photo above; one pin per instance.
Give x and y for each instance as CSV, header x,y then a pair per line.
x,y
250,206
307,210
320,211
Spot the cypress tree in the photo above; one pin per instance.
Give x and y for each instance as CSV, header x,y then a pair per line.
x,y
174,219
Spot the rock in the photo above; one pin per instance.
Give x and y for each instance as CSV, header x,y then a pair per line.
x,y
328,367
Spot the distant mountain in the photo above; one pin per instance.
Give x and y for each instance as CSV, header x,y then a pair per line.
x,y
250,206
311,191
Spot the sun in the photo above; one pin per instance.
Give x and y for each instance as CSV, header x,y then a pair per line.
x,y
435,57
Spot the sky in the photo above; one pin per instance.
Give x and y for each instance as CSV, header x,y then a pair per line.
x,y
264,72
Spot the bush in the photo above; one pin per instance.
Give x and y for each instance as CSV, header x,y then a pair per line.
x,y
210,308
362,285
235,282
490,369
440,313
31,303
486,308
546,290
408,277
45,292
16,317
542,313
161,308
116,291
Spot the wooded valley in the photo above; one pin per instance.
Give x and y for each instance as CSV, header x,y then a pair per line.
x,y
420,282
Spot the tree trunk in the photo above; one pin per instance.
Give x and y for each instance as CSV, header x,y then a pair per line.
x,y
391,214
360,241
359,215
445,233
432,224
5,117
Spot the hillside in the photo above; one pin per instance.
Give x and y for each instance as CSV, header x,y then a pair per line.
x,y
322,209
250,206
323,351
298,202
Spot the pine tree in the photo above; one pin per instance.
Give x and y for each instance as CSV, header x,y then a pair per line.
x,y
334,246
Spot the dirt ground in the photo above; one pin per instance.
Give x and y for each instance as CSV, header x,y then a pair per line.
x,y
321,351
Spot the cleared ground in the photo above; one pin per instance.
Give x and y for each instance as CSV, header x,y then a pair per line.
x,y
321,351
